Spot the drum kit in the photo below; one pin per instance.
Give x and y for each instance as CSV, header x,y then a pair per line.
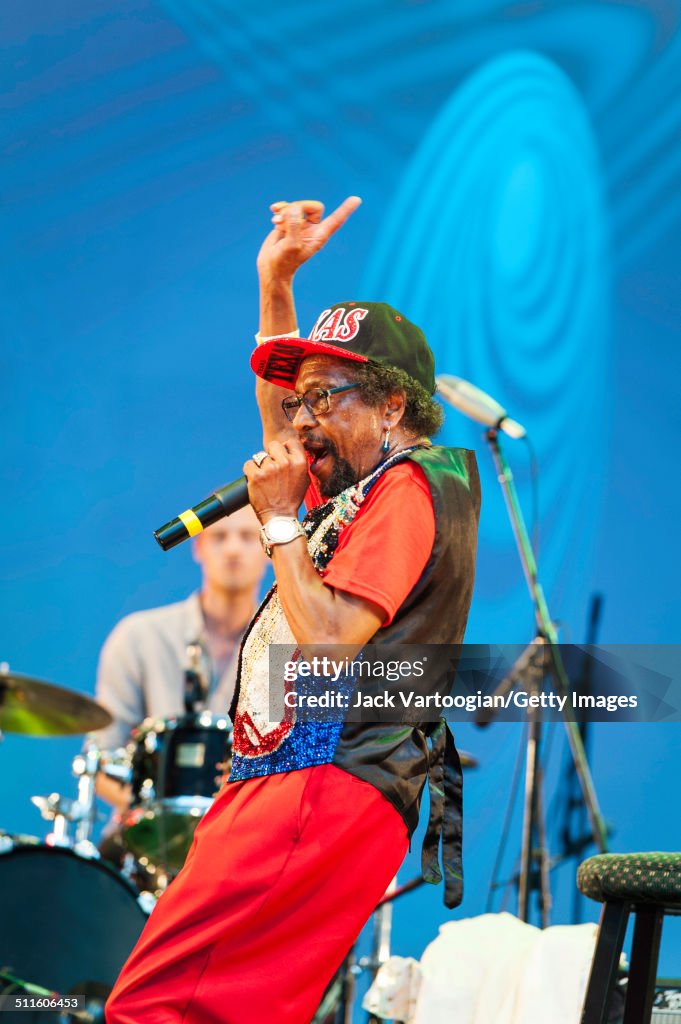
x,y
70,911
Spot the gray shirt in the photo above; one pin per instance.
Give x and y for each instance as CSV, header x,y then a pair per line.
x,y
141,670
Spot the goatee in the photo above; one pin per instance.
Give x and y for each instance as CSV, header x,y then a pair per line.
x,y
341,476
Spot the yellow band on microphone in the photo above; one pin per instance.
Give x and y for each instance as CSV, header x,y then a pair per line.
x,y
191,521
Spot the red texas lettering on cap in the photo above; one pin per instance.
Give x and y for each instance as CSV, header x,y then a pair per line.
x,y
283,363
339,325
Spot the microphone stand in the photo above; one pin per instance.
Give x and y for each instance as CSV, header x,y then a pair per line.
x,y
547,637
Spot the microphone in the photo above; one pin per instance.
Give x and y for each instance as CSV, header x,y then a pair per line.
x,y
477,404
216,506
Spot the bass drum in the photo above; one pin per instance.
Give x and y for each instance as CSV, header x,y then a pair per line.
x,y
67,923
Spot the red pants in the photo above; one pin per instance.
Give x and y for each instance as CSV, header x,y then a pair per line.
x,y
282,875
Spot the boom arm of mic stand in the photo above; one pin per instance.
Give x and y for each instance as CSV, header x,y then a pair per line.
x,y
524,669
547,629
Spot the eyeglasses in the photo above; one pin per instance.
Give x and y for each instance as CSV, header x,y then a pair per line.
x,y
316,400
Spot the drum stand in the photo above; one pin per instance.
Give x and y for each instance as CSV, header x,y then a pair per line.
x,y
63,812
540,661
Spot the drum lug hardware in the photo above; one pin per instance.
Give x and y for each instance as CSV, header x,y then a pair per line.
x,y
147,901
147,791
87,849
54,805
6,844
150,742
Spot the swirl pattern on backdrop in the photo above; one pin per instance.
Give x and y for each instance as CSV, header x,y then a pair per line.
x,y
496,244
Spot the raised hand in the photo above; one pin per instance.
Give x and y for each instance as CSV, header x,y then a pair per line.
x,y
300,230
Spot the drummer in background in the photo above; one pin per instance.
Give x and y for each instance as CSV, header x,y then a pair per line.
x,y
144,663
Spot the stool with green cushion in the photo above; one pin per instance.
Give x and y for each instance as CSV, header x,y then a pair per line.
x,y
649,884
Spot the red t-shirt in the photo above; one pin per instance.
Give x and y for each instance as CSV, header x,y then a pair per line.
x,y
384,550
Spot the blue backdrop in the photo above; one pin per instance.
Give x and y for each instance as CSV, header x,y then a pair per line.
x,y
520,168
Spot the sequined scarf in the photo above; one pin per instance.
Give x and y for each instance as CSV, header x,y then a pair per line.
x,y
263,727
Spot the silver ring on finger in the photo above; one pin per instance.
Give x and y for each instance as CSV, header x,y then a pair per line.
x,y
260,457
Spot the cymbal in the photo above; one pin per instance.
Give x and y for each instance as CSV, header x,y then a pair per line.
x,y
35,708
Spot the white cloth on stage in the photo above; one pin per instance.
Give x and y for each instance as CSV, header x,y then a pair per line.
x,y
492,969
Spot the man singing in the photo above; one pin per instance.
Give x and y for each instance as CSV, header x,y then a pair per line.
x,y
315,819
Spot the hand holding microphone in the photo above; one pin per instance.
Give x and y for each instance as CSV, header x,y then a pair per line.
x,y
273,489
468,399
278,479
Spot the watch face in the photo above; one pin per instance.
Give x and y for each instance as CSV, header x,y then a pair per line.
x,y
281,529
